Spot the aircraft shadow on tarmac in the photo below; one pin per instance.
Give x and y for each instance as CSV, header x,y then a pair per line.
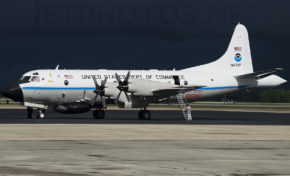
x,y
158,117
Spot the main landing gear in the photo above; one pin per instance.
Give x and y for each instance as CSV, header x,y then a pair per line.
x,y
144,114
99,114
40,113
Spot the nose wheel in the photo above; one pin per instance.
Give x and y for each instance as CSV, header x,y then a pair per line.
x,y
144,115
40,113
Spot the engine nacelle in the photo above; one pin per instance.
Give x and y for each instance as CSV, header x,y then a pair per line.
x,y
142,87
72,108
111,90
132,104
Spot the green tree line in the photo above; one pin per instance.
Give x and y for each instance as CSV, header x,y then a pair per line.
x,y
255,95
275,96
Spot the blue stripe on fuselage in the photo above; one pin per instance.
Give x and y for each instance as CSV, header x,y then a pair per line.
x,y
227,87
59,88
93,88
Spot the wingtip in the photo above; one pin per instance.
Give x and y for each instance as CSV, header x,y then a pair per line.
x,y
283,81
280,69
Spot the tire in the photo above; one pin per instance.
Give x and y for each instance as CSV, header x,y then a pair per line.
x,y
99,114
144,115
40,114
147,115
140,115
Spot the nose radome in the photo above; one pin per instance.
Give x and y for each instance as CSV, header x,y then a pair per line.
x,y
13,92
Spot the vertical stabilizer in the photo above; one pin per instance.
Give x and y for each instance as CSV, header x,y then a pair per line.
x,y
237,59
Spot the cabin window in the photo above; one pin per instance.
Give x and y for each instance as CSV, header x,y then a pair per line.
x,y
185,82
35,79
24,79
66,82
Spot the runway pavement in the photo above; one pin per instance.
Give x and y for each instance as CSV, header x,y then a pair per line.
x,y
18,116
214,143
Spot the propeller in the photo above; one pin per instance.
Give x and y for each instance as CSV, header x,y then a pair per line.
x,y
99,91
123,86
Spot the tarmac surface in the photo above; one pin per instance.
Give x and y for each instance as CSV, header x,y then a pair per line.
x,y
214,143
18,116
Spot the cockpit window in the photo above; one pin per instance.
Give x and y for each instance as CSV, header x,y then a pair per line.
x,y
24,79
36,73
35,79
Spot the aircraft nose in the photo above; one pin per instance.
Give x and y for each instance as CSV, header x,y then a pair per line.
x,y
13,92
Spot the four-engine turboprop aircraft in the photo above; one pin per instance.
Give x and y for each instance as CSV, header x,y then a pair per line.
x,y
77,91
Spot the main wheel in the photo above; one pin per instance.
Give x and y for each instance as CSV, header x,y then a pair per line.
x,y
99,114
144,115
140,115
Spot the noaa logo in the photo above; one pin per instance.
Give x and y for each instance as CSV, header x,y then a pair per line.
x,y
238,57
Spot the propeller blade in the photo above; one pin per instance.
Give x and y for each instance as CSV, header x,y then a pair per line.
x,y
118,96
127,78
118,78
103,83
123,86
128,97
95,81
95,98
103,102
99,91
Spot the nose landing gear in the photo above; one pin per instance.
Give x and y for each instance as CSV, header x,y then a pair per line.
x,y
29,112
40,113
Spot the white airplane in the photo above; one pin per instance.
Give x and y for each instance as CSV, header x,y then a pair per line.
x,y
78,91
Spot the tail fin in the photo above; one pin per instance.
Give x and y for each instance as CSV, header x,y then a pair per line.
x,y
236,60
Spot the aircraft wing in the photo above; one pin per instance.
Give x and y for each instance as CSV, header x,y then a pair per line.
x,y
259,74
175,90
154,88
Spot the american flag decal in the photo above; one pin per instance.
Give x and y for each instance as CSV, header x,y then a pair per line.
x,y
238,49
68,76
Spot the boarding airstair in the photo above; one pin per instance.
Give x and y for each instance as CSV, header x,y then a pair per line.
x,y
182,102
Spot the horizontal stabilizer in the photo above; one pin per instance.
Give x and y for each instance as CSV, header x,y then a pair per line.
x,y
259,74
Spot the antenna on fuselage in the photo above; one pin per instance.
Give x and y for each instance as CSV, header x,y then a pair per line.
x,y
56,68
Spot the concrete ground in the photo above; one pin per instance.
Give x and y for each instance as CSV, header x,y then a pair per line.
x,y
268,108
215,143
